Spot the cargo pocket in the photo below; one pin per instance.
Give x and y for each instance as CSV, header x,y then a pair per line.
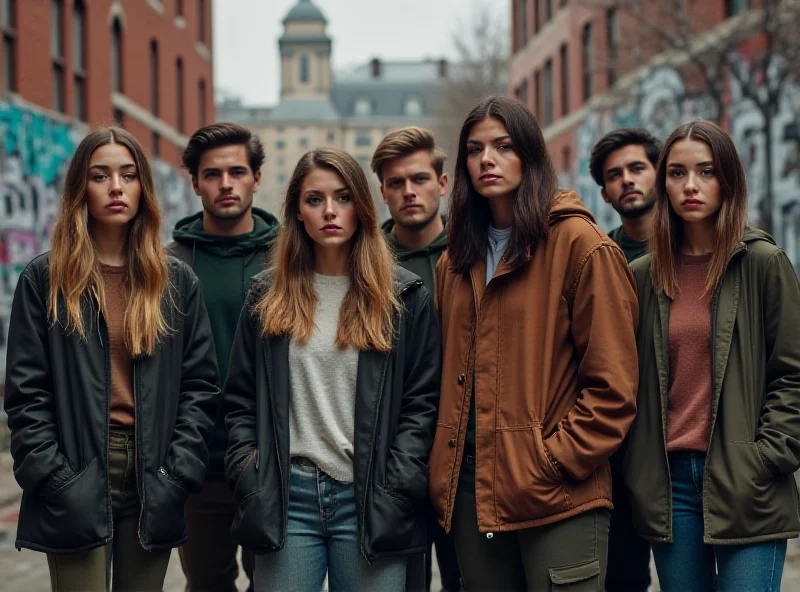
x,y
584,577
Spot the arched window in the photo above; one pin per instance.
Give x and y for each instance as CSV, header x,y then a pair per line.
x,y
362,106
304,66
116,56
412,107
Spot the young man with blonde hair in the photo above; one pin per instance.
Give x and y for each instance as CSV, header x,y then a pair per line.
x,y
411,171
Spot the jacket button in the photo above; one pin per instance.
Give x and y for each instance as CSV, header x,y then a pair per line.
x,y
452,443
461,379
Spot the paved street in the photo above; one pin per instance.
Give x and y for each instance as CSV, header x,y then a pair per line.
x,y
26,571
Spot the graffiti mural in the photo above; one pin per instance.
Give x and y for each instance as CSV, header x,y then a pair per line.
x,y
660,102
34,154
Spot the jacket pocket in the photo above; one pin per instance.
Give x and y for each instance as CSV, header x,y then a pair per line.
x,y
526,484
583,577
166,524
258,523
441,462
392,521
247,482
72,517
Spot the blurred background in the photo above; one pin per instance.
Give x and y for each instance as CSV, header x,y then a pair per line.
x,y
343,73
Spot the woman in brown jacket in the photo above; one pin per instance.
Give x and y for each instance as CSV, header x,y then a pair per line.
x,y
538,315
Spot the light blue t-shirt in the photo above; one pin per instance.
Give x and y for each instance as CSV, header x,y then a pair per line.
x,y
498,239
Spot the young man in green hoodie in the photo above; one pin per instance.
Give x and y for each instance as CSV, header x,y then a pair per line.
x,y
225,244
410,169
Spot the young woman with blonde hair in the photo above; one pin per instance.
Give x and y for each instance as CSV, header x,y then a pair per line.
x,y
111,380
712,452
331,395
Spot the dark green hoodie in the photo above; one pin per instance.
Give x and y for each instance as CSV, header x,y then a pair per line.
x,y
420,261
225,266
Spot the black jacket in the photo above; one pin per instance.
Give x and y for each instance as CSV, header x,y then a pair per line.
x,y
397,397
57,397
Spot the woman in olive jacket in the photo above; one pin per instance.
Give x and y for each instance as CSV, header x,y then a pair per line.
x,y
716,440
111,380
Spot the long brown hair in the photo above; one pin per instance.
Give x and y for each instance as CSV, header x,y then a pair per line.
x,y
74,267
468,224
668,234
367,312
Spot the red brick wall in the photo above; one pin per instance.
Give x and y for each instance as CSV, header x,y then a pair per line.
x,y
141,25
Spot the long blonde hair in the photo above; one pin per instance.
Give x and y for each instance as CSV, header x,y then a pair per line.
x,y
367,313
74,266
665,245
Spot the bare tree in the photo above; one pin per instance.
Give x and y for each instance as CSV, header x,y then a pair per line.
x,y
758,50
480,70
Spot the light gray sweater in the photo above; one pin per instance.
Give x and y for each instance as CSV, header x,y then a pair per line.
x,y
323,388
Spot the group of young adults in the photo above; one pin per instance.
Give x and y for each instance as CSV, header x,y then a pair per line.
x,y
334,397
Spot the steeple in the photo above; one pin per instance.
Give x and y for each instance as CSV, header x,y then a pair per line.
x,y
305,50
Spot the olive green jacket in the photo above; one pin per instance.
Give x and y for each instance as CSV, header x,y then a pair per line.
x,y
749,491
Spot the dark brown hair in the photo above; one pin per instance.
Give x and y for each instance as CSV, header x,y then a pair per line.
x,y
222,134
403,142
367,313
667,239
617,139
469,210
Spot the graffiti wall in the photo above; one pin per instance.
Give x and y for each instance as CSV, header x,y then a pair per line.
x,y
660,102
34,155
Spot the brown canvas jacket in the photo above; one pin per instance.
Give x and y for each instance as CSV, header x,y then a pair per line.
x,y
551,349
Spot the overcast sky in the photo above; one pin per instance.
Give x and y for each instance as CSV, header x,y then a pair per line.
x,y
246,33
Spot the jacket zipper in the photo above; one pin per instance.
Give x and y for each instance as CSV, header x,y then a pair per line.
x,y
139,473
107,360
284,481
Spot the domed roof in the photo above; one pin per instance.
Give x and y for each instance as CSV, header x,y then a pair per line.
x,y
304,11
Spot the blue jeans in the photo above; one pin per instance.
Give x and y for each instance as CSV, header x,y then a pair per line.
x,y
322,537
688,564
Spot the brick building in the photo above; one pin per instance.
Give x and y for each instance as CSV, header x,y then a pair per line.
x,y
585,67
69,65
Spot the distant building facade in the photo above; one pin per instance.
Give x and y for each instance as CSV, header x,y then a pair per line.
x,y
351,110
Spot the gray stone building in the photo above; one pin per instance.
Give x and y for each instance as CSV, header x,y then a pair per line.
x,y
351,110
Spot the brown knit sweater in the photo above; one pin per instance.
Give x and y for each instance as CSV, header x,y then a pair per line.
x,y
690,364
116,295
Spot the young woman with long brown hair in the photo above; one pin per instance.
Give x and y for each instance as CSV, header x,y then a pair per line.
x,y
538,314
331,395
712,452
111,380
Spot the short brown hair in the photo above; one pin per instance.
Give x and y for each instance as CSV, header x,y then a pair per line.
x,y
406,141
222,134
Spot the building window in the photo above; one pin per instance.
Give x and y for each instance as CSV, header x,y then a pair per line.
x,y
201,21
178,7
304,65
79,60
566,161
522,22
179,95
537,95
281,162
119,118
363,140
281,180
201,102
548,10
363,107
522,93
280,145
9,46
331,137
154,77
116,56
586,50
303,142
57,52
156,151
564,60
548,92
733,7
412,107
612,30
536,24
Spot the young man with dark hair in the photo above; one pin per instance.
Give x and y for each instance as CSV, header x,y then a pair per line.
x,y
411,171
225,244
623,165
